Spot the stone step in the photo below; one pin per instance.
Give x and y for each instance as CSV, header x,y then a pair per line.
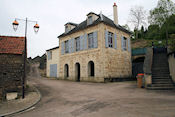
x,y
165,77
162,85
160,82
160,75
160,68
161,88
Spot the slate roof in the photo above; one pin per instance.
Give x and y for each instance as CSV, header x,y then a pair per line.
x,y
53,48
104,19
71,24
11,45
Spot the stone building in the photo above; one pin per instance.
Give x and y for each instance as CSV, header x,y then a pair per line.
x,y
11,64
52,62
97,49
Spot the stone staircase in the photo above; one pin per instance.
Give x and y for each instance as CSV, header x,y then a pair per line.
x,y
160,71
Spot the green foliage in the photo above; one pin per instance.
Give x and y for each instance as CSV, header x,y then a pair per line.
x,y
169,25
164,9
153,33
172,42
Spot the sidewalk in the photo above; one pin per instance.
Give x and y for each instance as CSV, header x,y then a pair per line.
x,y
32,97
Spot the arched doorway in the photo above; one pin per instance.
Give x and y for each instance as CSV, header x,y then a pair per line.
x,y
77,71
91,69
137,66
66,71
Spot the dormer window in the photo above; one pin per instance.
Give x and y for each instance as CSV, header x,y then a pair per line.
x,y
69,26
91,17
90,20
66,29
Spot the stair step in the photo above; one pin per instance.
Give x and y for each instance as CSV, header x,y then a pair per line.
x,y
160,71
160,88
162,79
162,85
160,68
157,77
161,82
160,74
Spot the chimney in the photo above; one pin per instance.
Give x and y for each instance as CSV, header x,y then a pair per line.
x,y
115,14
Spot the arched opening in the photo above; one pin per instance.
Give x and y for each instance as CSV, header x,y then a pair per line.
x,y
77,71
66,71
137,66
91,69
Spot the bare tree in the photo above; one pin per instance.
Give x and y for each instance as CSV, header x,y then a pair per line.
x,y
137,17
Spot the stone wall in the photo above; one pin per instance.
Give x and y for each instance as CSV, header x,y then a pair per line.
x,y
109,62
11,72
117,61
171,60
148,66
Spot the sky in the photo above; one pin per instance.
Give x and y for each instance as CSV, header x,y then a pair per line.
x,y
51,16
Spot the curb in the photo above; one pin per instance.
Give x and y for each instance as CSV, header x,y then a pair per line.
x,y
25,108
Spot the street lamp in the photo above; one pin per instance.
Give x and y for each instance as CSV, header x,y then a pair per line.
x,y
36,29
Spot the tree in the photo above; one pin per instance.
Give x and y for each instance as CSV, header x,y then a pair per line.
x,y
172,42
142,32
137,17
126,27
159,15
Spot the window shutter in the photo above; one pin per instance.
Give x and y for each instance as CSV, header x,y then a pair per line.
x,y
81,42
70,46
48,55
106,39
62,48
85,41
122,42
72,43
129,45
115,40
95,37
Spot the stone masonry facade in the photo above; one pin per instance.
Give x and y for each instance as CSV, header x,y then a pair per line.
x,y
108,62
11,72
96,50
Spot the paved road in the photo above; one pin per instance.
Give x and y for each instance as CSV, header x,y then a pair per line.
x,y
83,99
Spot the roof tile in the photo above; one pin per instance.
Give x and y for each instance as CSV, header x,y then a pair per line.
x,y
12,45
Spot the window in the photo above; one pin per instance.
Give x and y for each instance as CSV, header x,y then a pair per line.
x,y
110,39
89,20
66,29
67,46
49,55
124,43
77,42
90,40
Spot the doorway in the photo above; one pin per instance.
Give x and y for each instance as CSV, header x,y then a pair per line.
x,y
77,72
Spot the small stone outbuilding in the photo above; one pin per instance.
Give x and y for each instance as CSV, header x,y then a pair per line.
x,y
52,65
11,64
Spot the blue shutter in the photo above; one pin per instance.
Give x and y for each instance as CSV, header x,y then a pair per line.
x,y
73,49
115,41
129,45
53,70
95,37
48,55
122,41
70,45
81,42
62,48
85,41
106,39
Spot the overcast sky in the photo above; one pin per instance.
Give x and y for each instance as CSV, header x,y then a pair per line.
x,y
53,14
